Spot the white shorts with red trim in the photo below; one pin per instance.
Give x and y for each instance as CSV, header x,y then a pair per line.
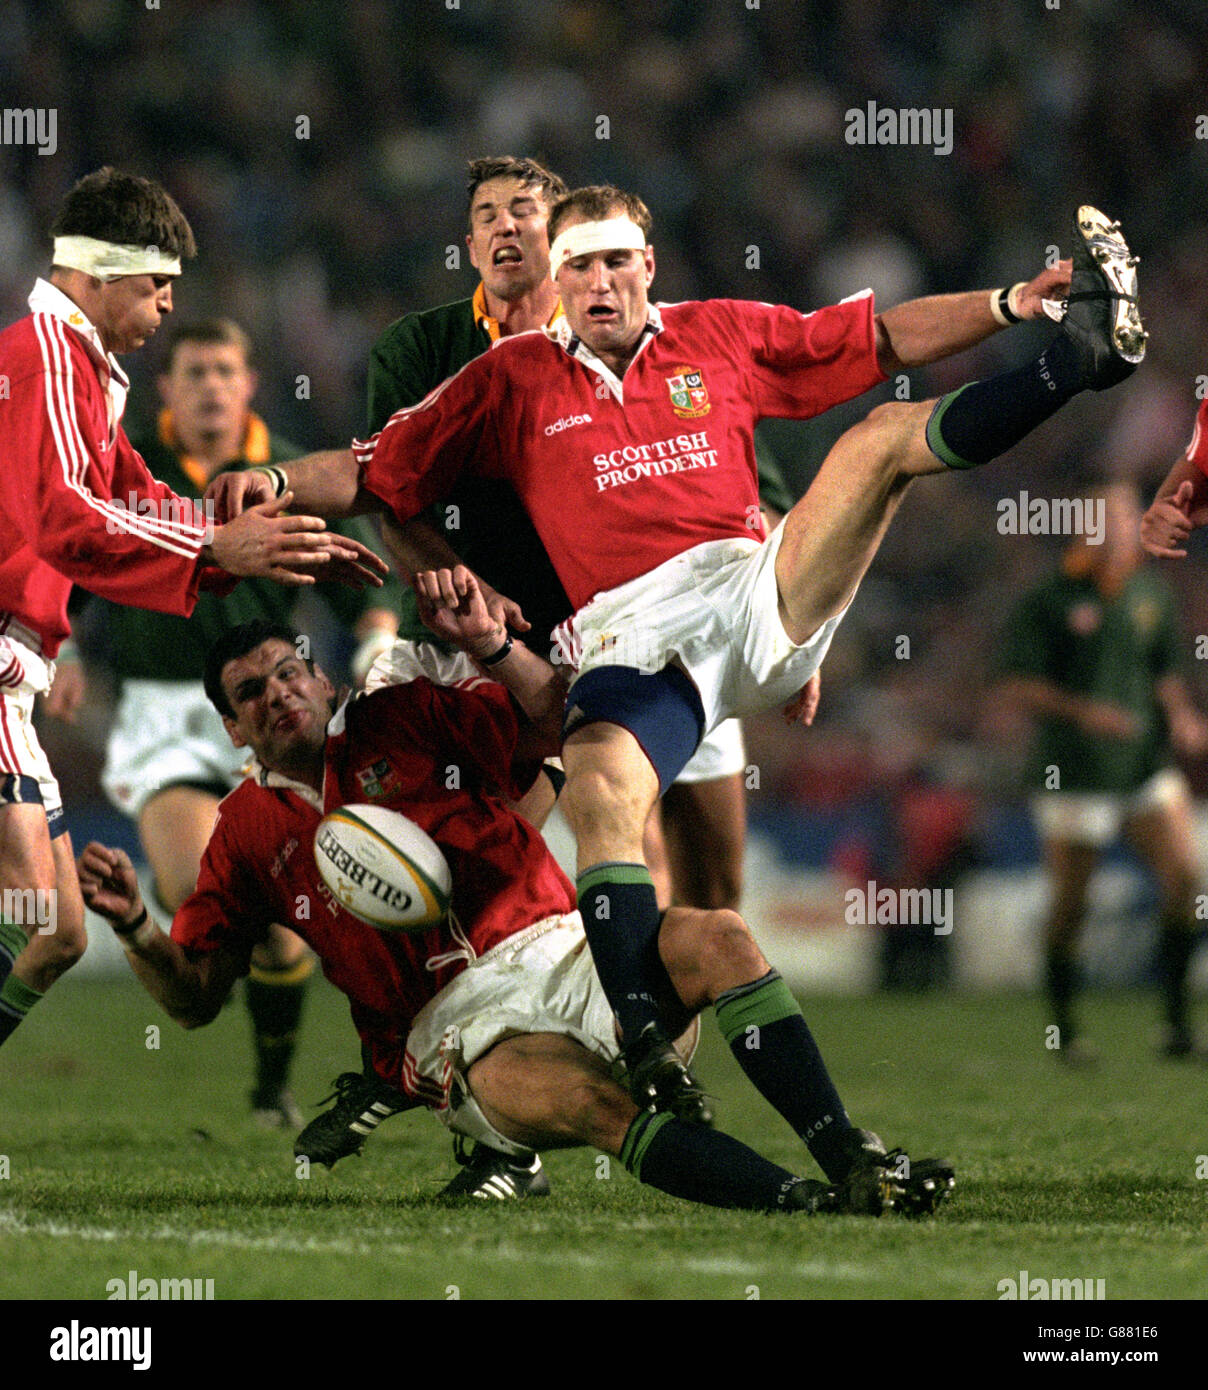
x,y
714,611
24,674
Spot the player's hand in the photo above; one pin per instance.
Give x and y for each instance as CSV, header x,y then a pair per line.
x,y
232,494
1101,719
1169,521
452,604
504,610
67,693
109,884
1051,283
802,708
264,543
1189,733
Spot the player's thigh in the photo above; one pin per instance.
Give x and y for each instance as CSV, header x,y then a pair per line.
x,y
545,1090
280,949
175,826
53,913
1164,838
1070,864
705,825
26,857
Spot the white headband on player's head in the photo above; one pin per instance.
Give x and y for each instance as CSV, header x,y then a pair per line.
x,y
616,234
110,260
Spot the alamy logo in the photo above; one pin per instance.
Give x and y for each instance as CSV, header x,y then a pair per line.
x,y
567,422
1053,516
873,125
891,907
1036,1289
31,126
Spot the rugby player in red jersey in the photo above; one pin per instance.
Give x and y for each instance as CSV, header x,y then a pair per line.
x,y
77,505
645,499
1181,503
495,1018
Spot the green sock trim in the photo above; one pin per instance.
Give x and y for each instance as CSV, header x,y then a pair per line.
x,y
768,1003
12,939
18,995
612,873
639,1138
935,441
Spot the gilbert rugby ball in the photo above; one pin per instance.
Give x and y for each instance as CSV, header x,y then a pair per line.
x,y
383,868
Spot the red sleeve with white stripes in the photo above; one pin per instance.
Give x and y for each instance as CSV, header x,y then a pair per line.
x,y
1197,450
421,451
95,515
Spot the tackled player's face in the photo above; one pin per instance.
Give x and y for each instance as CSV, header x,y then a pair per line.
x,y
604,297
281,709
508,243
132,307
208,388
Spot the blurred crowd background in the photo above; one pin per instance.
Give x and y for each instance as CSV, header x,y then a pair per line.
x,y
728,117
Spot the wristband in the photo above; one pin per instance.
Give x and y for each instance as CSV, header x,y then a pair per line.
x,y
557,777
1000,308
497,656
140,933
275,475
134,926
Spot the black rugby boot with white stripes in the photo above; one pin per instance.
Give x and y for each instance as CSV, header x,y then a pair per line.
x,y
362,1102
492,1176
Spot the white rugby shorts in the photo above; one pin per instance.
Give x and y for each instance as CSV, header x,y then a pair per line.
x,y
721,752
24,675
167,733
1097,818
714,611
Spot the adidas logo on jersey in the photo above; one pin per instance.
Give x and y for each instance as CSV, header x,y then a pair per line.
x,y
566,423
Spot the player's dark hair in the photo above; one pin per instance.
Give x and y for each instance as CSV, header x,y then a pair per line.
x,y
111,206
597,203
210,332
507,166
237,642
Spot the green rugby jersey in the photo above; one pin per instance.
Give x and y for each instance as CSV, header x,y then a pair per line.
x,y
141,645
1103,647
482,519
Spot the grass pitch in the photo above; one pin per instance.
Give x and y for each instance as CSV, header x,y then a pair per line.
x,y
123,1157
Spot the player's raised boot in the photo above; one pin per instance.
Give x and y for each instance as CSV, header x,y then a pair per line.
x,y
1102,319
493,1176
362,1102
659,1078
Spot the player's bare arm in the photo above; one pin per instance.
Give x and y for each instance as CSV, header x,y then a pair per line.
x,y
1188,727
326,484
265,542
452,605
191,991
925,330
1180,505
1044,700
418,545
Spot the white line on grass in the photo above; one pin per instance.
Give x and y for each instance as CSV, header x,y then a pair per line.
x,y
14,1223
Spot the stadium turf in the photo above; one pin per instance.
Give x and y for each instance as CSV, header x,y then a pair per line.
x,y
123,1157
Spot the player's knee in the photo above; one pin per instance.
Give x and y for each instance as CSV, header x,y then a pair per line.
x,y
728,953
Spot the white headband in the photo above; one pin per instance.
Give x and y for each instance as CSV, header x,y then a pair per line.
x,y
617,234
109,260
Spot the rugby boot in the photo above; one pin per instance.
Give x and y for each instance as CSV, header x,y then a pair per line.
x,y
1101,318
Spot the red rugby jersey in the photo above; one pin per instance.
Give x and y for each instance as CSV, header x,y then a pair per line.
x,y
77,503
621,475
444,756
1197,450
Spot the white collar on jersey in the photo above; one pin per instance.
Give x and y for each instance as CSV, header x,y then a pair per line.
x,y
562,333
46,298
265,778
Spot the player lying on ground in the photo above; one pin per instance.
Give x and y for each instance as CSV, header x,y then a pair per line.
x,y
495,1018
77,505
648,508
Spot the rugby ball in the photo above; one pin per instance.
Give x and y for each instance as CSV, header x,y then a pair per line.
x,y
383,868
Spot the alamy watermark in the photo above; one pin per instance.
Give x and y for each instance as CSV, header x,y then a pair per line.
x,y
884,125
153,512
1026,1288
30,126
871,906
30,907
1053,516
132,1287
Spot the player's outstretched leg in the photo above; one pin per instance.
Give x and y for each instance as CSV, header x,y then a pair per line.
x,y
832,534
711,957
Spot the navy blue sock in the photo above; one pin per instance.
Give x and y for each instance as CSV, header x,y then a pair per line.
x,y
1061,980
977,422
773,1045
1176,946
621,918
703,1165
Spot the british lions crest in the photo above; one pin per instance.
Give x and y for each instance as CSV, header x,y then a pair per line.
x,y
689,394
